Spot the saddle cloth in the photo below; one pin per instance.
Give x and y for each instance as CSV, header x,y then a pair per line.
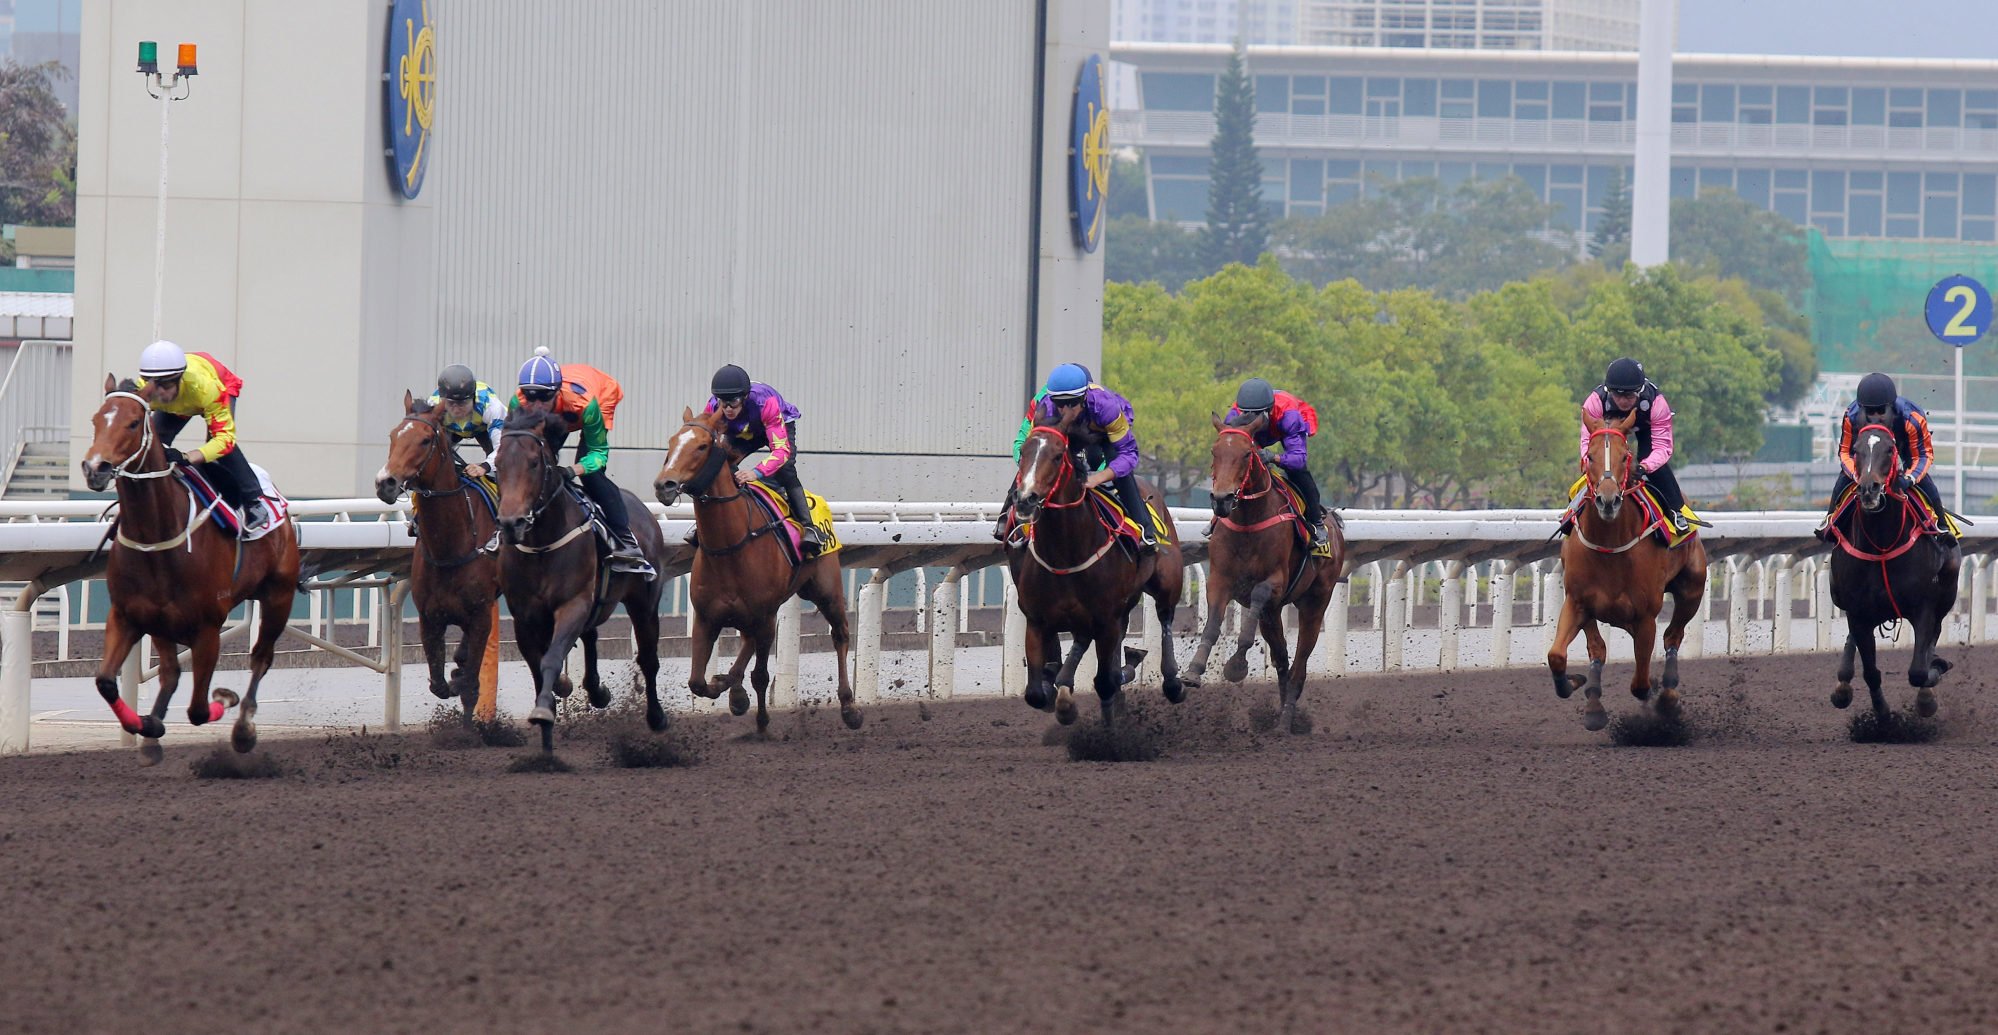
x,y
225,517
1930,519
1296,504
774,504
595,514
1120,522
1654,513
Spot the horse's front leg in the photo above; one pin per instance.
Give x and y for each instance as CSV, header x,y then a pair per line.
x,y
1565,629
1842,693
1109,664
1237,667
1216,591
570,618
1861,635
822,589
702,635
761,636
738,698
119,640
1077,647
1643,637
273,614
1926,670
431,631
1169,681
149,747
203,653
1279,648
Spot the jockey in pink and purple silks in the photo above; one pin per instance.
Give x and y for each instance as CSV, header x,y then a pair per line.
x,y
756,418
1624,389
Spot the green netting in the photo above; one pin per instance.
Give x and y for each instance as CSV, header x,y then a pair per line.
x,y
1866,300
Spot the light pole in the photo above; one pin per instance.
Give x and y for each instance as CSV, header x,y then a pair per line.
x,y
164,88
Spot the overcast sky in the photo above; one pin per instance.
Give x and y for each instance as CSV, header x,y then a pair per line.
x,y
1844,28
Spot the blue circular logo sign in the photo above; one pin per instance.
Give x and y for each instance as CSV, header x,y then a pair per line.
x,y
1089,156
410,86
1959,310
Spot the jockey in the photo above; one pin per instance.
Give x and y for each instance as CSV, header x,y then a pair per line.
x,y
1624,389
587,398
178,385
472,410
1880,402
1109,415
755,417
1005,526
1291,422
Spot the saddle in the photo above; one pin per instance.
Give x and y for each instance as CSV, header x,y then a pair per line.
x,y
778,510
595,515
226,517
1295,502
1647,501
1121,524
1931,521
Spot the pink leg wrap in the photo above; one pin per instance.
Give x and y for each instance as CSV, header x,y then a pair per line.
x,y
127,718
216,709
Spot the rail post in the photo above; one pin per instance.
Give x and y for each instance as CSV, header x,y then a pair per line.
x,y
1450,614
1779,617
943,634
1737,606
1394,623
867,645
392,596
784,673
1335,629
1501,595
17,655
1013,649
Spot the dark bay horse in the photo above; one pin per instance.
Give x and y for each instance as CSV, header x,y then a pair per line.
x,y
1073,578
555,588
742,574
454,576
1885,568
1256,558
174,576
1616,571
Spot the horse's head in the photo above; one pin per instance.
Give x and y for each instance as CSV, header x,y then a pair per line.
x,y
695,456
1049,461
121,436
1236,460
417,442
1610,467
530,472
1876,462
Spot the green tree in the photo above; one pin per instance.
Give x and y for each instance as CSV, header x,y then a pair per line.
x,y
1721,233
1128,194
1137,250
1417,233
37,148
1614,226
1237,229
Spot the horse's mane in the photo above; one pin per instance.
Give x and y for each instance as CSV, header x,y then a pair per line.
x,y
128,385
422,405
546,423
1243,420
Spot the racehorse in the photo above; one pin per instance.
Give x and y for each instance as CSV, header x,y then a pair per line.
x,y
556,587
1615,571
1885,568
174,576
1260,556
742,575
1071,577
454,576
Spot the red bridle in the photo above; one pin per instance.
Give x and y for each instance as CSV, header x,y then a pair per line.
x,y
1063,471
1242,492
1624,480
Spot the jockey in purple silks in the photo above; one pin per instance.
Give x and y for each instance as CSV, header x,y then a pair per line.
x,y
1108,415
756,418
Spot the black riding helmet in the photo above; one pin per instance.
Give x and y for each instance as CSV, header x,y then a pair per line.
x,y
1877,392
457,383
730,382
1625,375
1255,396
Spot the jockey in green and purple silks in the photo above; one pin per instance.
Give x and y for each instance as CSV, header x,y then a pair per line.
x,y
1109,415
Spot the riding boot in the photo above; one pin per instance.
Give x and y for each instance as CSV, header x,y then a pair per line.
x,y
1315,520
627,556
1134,507
801,511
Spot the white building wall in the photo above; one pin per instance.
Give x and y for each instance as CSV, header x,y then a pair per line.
x,y
836,196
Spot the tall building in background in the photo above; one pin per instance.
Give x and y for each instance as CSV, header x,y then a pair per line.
x,y
1205,21
1470,24
6,28
47,30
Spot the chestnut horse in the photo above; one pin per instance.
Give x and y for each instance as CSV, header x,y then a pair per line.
x,y
454,576
174,576
1887,568
1072,577
1256,558
742,574
554,587
1615,571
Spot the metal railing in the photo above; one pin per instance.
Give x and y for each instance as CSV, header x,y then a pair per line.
x,y
34,400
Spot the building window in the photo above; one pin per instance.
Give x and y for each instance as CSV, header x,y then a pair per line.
x,y
1716,103
1570,101
1828,107
1346,96
1946,109
1273,94
1753,186
1980,109
1869,107
1418,97
1793,105
1178,91
1494,98
1904,109
1458,98
1685,107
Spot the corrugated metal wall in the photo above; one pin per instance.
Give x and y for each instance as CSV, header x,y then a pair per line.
x,y
833,195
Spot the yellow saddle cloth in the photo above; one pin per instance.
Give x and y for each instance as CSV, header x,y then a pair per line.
x,y
821,514
1653,510
1106,500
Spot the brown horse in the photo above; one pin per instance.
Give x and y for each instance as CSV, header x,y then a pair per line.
x,y
1072,578
742,574
554,586
455,573
174,576
1256,558
1616,571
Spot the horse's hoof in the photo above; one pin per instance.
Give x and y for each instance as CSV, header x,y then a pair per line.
x,y
704,691
442,691
1064,707
1175,691
850,714
151,726
243,737
150,752
227,698
542,716
1841,697
1594,718
600,696
1667,704
1643,693
738,700
1191,679
762,720
1037,698
655,719
1236,670
1565,687
563,687
1925,702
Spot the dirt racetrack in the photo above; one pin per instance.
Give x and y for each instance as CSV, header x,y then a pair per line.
x,y
1442,853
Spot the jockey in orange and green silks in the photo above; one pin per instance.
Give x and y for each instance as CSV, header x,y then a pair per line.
x,y
588,398
1109,415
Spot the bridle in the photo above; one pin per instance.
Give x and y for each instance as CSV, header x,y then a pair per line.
x,y
436,451
1626,481
1255,458
1064,474
697,486
431,452
123,469
546,495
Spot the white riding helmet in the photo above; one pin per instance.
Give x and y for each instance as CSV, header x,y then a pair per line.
x,y
162,359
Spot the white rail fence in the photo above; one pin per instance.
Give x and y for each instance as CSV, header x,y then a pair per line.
x,y
1477,570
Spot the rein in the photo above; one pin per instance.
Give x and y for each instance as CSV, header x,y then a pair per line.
x,y
697,489
1624,484
1242,495
547,494
436,451
124,469
1063,475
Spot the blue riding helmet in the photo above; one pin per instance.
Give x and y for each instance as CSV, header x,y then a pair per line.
x,y
540,371
1068,380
